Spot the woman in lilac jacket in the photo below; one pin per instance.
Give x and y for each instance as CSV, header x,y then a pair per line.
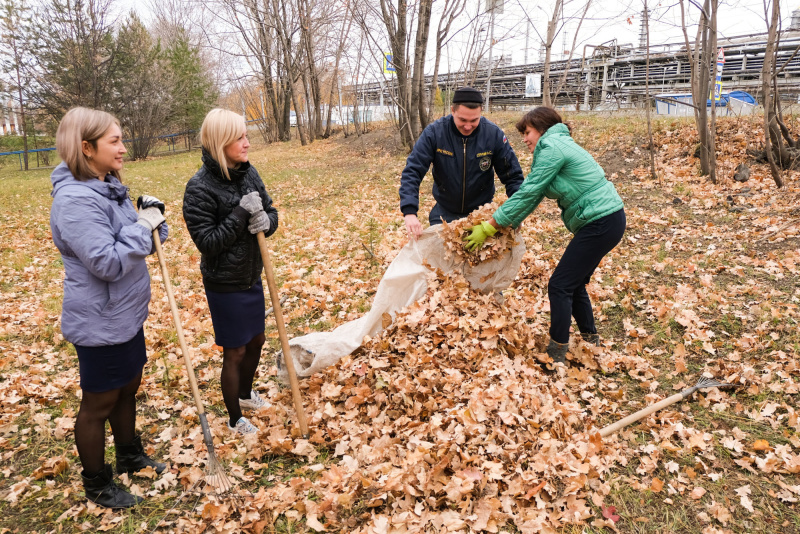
x,y
103,243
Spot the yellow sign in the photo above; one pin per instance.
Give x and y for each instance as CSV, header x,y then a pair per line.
x,y
388,66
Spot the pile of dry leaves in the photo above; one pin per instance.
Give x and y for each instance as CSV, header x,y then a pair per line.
x,y
446,420
455,232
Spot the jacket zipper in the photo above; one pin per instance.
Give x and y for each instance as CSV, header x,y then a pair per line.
x,y
464,177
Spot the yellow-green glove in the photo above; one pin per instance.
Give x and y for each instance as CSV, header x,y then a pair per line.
x,y
478,235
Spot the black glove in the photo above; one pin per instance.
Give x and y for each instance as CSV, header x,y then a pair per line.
x,y
146,201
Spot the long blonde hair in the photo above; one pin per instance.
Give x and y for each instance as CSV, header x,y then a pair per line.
x,y
79,125
220,128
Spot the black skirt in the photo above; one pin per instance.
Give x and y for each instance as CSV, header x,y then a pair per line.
x,y
111,366
238,316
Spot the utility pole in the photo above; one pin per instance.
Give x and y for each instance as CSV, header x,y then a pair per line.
x,y
492,7
527,36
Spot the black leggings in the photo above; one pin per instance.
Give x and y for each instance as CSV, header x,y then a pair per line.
x,y
239,366
118,407
567,286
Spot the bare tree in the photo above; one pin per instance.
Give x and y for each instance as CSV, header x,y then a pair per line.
x,y
780,149
15,26
701,58
651,145
450,12
562,80
419,110
346,25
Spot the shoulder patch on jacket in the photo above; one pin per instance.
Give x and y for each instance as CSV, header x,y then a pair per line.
x,y
505,139
443,151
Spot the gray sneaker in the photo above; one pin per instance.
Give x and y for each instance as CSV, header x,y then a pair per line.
x,y
243,426
254,402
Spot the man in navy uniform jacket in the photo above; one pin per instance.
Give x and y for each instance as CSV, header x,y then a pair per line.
x,y
466,151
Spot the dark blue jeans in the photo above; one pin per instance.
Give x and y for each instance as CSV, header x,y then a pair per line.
x,y
438,213
567,286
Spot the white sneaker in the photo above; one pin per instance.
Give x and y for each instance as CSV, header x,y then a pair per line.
x,y
243,426
254,402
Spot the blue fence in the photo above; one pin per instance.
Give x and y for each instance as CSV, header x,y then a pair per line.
x,y
19,154
167,144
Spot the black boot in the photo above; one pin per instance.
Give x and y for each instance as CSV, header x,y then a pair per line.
x,y
558,352
101,489
131,458
592,339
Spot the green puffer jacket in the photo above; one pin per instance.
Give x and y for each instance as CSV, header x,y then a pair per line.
x,y
563,171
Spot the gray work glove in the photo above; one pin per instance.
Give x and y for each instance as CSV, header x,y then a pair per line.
x,y
146,201
259,222
252,203
151,218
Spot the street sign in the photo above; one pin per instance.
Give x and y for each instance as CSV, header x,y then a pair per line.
x,y
717,92
533,85
388,66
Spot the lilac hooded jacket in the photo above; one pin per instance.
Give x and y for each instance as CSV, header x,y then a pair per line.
x,y
106,283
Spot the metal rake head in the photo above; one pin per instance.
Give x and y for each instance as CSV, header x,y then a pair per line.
x,y
215,478
705,382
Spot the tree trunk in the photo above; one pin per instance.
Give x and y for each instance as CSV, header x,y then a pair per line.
x,y
700,61
398,34
651,145
334,82
773,144
452,9
548,48
417,100
21,109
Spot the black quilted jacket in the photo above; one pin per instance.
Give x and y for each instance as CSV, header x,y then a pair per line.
x,y
230,257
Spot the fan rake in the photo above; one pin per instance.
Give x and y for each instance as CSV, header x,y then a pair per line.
x,y
701,384
215,477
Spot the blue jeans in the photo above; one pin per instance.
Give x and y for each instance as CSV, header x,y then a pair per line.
x,y
567,285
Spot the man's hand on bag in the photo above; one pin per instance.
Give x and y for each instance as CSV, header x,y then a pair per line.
x,y
259,222
146,201
252,203
478,235
151,218
413,226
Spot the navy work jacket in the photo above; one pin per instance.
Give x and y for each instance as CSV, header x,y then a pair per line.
x,y
463,167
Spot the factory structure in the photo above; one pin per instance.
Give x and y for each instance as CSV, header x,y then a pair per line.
x,y
613,76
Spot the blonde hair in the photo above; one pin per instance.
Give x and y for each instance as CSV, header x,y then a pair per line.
x,y
220,128
79,125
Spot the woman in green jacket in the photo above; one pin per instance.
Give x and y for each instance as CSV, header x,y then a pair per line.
x,y
590,208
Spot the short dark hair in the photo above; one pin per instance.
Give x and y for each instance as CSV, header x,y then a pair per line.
x,y
541,119
468,105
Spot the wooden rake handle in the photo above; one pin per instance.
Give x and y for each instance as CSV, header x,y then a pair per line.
x,y
632,418
176,318
287,355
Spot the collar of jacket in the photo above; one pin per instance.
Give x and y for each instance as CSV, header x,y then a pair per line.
x,y
556,129
455,129
110,187
213,166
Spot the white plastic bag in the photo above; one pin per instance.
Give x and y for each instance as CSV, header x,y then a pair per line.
x,y
404,282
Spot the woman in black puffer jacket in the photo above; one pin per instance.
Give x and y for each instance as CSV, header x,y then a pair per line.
x,y
224,206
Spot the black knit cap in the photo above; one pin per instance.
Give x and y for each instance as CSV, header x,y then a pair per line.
x,y
467,95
